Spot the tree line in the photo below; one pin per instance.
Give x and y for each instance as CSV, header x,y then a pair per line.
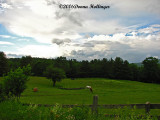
x,y
116,68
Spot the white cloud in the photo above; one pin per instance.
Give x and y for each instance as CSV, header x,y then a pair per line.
x,y
7,36
5,6
40,51
23,39
46,22
6,43
43,21
133,48
44,51
150,30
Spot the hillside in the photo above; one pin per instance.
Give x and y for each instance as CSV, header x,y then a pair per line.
x,y
109,91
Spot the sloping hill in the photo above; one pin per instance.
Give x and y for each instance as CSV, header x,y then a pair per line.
x,y
109,91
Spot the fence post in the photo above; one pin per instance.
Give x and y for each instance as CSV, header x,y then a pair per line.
x,y
147,107
95,105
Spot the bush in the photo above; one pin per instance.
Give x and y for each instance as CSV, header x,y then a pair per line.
x,y
15,82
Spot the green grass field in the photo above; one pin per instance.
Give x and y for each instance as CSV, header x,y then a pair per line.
x,y
109,91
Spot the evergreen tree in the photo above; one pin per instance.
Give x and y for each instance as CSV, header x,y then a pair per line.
x,y
118,66
3,64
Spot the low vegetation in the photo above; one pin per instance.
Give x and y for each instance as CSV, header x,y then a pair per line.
x,y
11,110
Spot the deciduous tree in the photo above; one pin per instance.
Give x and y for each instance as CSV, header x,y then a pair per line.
x,y
55,74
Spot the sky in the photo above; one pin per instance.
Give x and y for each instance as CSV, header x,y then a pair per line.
x,y
129,29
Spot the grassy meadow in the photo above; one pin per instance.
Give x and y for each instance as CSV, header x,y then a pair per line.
x,y
109,91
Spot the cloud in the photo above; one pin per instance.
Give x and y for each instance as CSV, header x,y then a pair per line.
x,y
73,17
14,55
27,18
41,24
61,41
84,33
88,45
134,47
135,8
6,43
23,39
7,36
40,51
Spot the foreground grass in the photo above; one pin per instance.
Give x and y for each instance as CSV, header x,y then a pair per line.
x,y
11,110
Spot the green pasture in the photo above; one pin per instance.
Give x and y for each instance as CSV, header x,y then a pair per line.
x,y
109,91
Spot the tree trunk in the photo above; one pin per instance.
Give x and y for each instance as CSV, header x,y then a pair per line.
x,y
54,83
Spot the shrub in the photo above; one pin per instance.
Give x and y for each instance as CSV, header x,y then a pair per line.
x,y
15,82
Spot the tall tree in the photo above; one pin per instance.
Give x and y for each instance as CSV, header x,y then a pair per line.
x,y
73,69
126,71
118,65
110,65
25,60
135,72
151,70
96,68
62,62
3,63
84,69
105,68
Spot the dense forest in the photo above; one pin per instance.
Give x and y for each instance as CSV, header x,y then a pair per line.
x,y
116,68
